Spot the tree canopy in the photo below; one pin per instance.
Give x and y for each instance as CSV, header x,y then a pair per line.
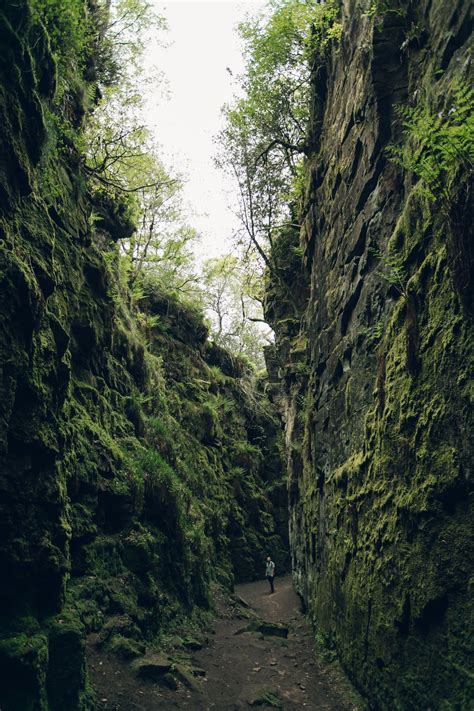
x,y
265,135
232,301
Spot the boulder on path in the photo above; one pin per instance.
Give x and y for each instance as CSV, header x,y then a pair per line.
x,y
197,671
153,667
270,629
185,677
269,699
239,600
192,644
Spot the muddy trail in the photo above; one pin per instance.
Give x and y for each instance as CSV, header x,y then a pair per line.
x,y
258,653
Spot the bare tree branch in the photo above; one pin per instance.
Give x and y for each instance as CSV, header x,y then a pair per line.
x,y
297,148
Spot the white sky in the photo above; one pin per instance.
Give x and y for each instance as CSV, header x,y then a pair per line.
x,y
201,44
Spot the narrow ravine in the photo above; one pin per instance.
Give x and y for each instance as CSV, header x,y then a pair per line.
x,y
175,408
238,667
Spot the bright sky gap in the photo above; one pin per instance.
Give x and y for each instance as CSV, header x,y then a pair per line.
x,y
201,56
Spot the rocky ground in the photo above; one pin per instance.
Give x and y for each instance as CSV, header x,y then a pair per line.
x,y
259,653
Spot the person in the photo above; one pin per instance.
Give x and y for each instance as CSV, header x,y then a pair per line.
x,y
270,573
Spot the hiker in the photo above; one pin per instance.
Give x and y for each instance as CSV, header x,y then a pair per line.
x,y
270,573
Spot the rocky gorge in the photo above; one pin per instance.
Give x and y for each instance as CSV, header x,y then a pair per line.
x,y
142,466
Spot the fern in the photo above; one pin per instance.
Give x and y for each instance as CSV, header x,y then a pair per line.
x,y
394,270
437,147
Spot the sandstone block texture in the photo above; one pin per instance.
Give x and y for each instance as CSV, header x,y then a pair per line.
x,y
374,370
138,464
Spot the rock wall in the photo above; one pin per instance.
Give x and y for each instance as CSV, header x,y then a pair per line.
x,y
374,370
138,463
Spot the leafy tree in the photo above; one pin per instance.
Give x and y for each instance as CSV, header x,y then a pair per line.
x,y
162,245
124,28
265,134
119,151
234,309
122,159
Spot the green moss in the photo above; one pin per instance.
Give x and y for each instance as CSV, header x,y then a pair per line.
x,y
24,660
379,453
139,463
126,648
391,598
66,676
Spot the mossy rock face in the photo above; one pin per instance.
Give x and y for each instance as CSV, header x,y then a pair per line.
x,y
66,676
24,661
136,466
372,373
125,648
169,681
122,626
184,324
226,362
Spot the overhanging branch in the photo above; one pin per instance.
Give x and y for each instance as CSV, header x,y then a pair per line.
x,y
296,148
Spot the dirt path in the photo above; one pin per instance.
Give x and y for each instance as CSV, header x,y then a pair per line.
x,y
240,668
